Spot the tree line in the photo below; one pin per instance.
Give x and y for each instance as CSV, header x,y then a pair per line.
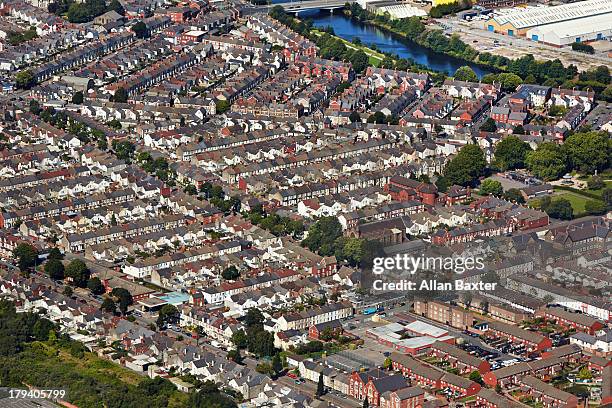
x,y
330,47
549,72
33,352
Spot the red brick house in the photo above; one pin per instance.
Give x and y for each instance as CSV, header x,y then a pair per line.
x,y
378,386
565,318
405,189
408,397
548,395
488,398
418,372
532,341
462,387
359,380
457,194
459,359
314,332
506,376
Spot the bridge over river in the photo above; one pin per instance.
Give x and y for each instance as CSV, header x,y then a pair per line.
x,y
297,6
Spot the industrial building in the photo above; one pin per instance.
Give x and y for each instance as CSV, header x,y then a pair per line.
x,y
516,22
395,9
493,4
568,32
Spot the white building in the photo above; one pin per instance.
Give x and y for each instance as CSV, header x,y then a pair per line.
x,y
567,32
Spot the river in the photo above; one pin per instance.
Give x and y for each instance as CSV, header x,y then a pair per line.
x,y
348,29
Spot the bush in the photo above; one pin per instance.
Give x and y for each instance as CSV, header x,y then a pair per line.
x,y
595,207
582,47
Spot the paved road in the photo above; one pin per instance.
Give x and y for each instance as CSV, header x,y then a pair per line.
x,y
507,183
516,47
455,332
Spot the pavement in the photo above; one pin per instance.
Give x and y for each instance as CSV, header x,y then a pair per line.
x,y
372,347
507,183
474,34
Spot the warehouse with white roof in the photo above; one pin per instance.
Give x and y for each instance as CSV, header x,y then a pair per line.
x,y
568,32
573,20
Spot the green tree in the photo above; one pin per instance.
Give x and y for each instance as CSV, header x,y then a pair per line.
x,y
222,106
377,117
519,130
510,153
355,117
240,339
115,124
167,314
596,183
24,79
124,150
116,5
34,107
466,73
78,273
547,162
488,125
191,189
560,208
595,207
79,13
77,98
157,386
254,318
607,196
26,256
68,291
585,373
509,82
491,187
359,60
95,286
320,386
140,29
235,356
582,47
121,95
261,342
55,253
514,195
442,184
353,251
466,167
209,396
589,151
230,273
55,269
475,376
277,364
123,297
322,236
388,363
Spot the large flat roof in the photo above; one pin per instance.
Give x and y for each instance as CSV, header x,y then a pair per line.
x,y
571,28
536,16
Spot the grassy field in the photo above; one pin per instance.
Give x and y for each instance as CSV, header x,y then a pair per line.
x,y
90,382
95,366
576,200
374,57
599,192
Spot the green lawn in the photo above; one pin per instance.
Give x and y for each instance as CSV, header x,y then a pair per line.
x,y
599,192
576,200
374,57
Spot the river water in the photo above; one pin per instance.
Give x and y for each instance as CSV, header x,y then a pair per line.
x,y
348,29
